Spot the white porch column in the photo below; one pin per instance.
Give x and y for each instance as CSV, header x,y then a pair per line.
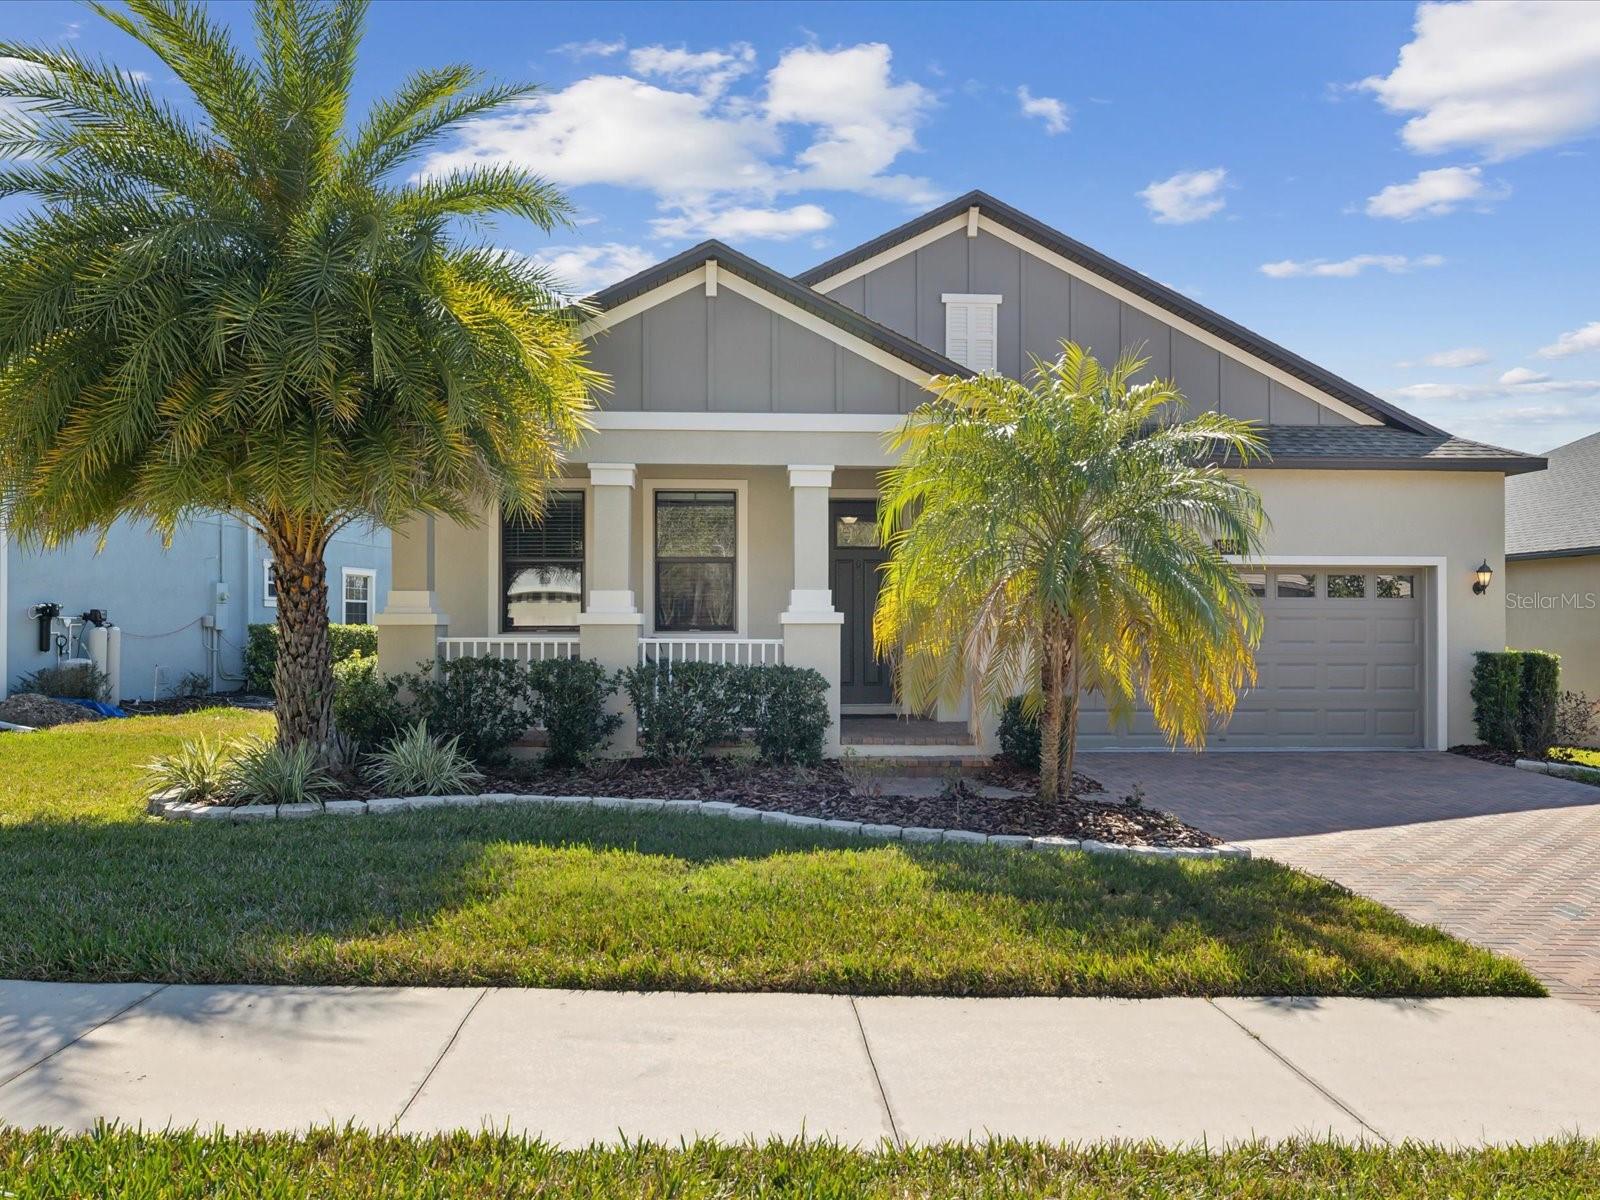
x,y
410,624
811,625
608,626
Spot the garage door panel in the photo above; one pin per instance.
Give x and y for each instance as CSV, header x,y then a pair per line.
x,y
1398,677
1398,632
1399,723
1347,631
1347,677
1349,722
1293,676
1299,631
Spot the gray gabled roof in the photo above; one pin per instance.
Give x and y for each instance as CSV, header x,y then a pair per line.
x,y
1141,285
1381,448
730,260
1556,513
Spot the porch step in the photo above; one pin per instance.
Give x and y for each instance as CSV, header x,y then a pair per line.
x,y
921,760
900,732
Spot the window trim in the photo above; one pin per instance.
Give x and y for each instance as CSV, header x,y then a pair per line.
x,y
740,488
371,575
972,301
498,617
269,594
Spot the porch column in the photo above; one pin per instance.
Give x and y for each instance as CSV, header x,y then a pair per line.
x,y
811,625
410,624
608,626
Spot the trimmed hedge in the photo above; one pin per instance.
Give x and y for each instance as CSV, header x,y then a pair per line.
x,y
261,651
685,708
1019,735
1514,699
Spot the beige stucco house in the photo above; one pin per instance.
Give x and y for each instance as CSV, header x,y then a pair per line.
x,y
1553,562
722,507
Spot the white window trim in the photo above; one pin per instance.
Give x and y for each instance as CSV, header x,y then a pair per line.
x,y
972,302
741,563
496,527
267,598
344,593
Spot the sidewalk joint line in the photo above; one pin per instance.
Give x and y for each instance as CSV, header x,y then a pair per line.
x,y
1332,1099
16,1075
448,1046
877,1077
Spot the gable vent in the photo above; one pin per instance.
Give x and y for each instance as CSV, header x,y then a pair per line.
x,y
972,330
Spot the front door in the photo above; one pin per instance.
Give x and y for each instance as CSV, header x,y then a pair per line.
x,y
854,576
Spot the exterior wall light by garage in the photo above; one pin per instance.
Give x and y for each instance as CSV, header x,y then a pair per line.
x,y
1482,578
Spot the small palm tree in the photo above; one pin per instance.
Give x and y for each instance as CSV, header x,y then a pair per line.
x,y
1061,537
243,305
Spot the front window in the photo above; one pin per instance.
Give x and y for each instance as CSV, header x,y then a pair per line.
x,y
1296,585
358,586
1396,587
541,568
1347,587
696,534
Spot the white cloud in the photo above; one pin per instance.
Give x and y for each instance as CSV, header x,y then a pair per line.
x,y
775,224
1432,194
1576,341
1522,375
1501,79
1523,409
584,270
594,48
1046,108
1187,196
1464,356
1345,268
707,71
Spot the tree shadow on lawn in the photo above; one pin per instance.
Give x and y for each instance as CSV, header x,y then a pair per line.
x,y
602,898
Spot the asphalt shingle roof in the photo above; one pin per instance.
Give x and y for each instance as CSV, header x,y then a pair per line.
x,y
1383,448
1557,511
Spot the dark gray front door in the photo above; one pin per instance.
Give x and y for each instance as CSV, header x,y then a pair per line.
x,y
854,577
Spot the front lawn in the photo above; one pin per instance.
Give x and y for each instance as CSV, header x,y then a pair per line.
x,y
121,1164
90,889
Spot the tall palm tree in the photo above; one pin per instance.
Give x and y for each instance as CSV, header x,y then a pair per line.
x,y
243,304
1062,536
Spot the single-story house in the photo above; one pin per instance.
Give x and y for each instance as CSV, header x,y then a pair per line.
x,y
723,506
1553,562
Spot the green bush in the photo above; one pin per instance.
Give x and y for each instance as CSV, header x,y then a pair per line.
x,y
261,651
198,771
1536,706
788,712
684,707
414,763
1496,691
264,772
487,702
570,704
1019,735
81,681
367,708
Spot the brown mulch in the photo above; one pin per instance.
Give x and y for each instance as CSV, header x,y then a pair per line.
x,y
175,706
827,792
41,712
1488,754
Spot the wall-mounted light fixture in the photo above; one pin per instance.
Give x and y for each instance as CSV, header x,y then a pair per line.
x,y
1482,578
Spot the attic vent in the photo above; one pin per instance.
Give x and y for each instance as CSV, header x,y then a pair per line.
x,y
972,330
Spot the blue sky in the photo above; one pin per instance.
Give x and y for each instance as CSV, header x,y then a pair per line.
x,y
1404,194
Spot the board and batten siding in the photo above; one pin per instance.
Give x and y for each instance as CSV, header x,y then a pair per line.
x,y
725,353
1042,305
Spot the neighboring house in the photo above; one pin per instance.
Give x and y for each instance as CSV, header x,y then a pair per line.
x,y
182,610
723,506
1553,562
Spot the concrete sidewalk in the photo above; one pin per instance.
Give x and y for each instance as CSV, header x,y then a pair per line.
x,y
576,1067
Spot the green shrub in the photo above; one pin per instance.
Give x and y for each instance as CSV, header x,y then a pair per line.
x,y
367,709
198,771
488,703
416,764
264,772
1019,735
788,712
1496,693
1536,706
261,651
81,681
684,707
570,704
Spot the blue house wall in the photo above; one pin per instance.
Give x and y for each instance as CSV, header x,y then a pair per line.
x,y
160,596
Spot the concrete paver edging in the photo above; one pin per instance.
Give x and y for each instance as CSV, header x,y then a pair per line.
x,y
162,805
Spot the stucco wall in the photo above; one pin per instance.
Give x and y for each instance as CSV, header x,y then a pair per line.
x,y
1554,604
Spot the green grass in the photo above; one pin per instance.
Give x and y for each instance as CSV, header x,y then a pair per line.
x,y
92,890
117,1164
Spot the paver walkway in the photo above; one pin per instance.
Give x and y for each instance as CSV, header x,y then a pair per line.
x,y
577,1067
1507,859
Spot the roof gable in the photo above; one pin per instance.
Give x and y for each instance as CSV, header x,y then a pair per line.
x,y
1557,511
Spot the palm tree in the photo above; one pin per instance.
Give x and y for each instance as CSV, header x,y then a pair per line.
x,y
1062,536
243,305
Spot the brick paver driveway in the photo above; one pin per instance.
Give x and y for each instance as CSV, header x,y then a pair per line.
x,y
1504,858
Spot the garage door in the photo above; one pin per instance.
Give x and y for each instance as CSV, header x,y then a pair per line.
x,y
1340,665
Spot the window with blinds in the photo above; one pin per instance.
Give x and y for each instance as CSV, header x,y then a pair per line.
x,y
972,330
541,566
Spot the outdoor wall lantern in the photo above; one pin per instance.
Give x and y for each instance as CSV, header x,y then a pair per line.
x,y
1482,578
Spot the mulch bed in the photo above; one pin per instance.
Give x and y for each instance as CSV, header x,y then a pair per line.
x,y
1488,754
41,712
175,706
827,792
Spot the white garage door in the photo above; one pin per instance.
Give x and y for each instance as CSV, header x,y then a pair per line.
x,y
1341,664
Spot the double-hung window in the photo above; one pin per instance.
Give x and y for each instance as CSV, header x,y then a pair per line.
x,y
972,330
696,536
359,586
541,566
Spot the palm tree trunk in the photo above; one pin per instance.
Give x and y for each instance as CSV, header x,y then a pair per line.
x,y
1069,735
1052,682
303,679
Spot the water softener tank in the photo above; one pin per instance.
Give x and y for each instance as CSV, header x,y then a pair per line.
x,y
105,650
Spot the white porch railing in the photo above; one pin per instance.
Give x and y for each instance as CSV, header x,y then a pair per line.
x,y
523,648
743,652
